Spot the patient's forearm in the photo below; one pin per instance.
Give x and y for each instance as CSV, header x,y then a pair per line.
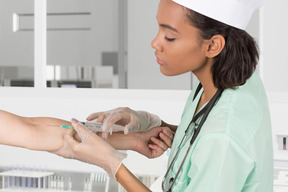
x,y
32,133
120,141
47,133
36,133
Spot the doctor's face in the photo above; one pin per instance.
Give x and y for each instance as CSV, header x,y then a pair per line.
x,y
179,46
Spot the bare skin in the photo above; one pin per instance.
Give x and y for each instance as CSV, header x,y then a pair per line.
x,y
32,133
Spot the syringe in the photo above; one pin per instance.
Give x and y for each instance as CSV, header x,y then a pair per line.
x,y
96,126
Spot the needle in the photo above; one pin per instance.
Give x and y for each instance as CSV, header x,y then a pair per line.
x,y
63,126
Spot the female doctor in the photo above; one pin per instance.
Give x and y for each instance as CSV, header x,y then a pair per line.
x,y
223,143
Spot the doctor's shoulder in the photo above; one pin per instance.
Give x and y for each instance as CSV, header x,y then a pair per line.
x,y
243,108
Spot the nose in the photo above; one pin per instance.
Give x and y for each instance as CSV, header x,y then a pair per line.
x,y
155,44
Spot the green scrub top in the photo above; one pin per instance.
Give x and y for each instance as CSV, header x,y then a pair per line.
x,y
233,151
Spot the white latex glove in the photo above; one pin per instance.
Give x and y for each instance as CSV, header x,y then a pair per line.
x,y
133,121
92,149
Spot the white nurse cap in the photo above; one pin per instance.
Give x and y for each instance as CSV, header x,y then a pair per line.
x,y
236,13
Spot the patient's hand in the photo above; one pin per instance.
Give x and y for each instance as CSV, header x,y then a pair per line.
x,y
154,142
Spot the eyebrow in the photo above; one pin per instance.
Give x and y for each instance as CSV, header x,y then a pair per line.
x,y
168,27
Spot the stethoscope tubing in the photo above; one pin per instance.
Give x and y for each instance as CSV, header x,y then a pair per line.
x,y
206,110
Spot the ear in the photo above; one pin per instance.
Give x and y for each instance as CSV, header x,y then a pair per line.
x,y
216,45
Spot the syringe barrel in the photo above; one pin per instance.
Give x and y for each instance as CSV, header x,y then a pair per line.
x,y
96,126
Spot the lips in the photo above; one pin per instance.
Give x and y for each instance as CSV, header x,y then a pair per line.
x,y
159,61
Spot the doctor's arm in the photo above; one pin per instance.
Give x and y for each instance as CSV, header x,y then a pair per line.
x,y
171,127
129,181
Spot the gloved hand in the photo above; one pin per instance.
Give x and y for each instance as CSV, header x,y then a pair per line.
x,y
134,121
92,149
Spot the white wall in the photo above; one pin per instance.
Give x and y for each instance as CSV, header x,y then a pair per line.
x,y
274,66
274,37
278,103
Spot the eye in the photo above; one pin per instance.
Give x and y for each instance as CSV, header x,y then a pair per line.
x,y
169,39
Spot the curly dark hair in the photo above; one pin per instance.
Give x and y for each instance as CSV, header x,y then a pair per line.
x,y
239,57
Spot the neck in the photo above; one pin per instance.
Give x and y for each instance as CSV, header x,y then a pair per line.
x,y
209,90
206,79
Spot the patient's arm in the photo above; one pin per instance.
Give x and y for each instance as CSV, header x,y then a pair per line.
x,y
36,133
31,132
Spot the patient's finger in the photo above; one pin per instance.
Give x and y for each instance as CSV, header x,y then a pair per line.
x,y
159,143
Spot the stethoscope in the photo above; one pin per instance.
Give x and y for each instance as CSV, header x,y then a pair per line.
x,y
206,110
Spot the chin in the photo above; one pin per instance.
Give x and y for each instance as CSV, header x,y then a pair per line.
x,y
169,73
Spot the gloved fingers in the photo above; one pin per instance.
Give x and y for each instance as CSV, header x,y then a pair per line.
x,y
77,137
101,115
69,144
113,118
101,118
131,126
127,129
161,144
105,135
134,124
84,133
94,116
108,119
69,138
